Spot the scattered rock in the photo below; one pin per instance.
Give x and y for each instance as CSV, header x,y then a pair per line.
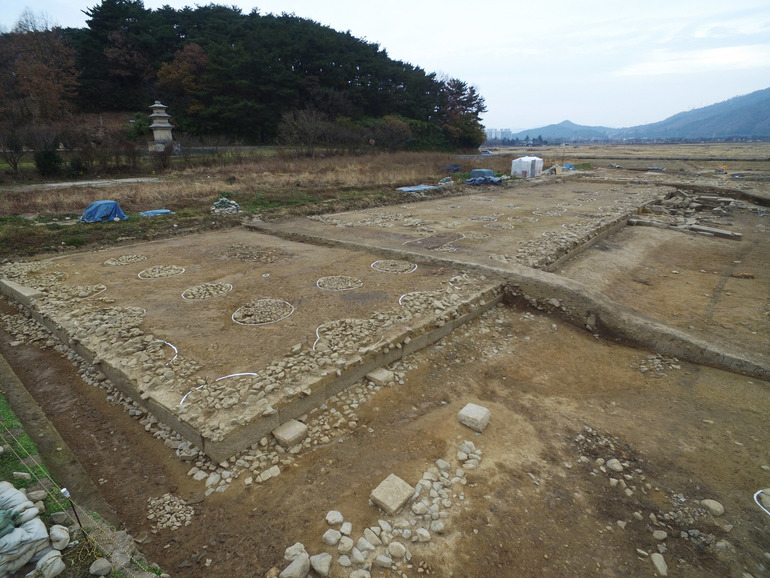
x,y
290,433
715,508
365,545
334,518
100,567
299,568
321,563
396,550
383,561
475,417
437,527
381,377
660,564
345,545
295,551
392,494
615,465
331,537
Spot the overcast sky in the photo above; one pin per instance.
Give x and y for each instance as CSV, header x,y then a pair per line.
x,y
593,62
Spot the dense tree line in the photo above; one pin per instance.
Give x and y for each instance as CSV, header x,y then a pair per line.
x,y
256,78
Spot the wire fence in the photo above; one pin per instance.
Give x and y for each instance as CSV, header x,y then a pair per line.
x,y
20,455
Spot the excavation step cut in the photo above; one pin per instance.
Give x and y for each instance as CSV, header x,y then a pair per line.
x,y
392,494
290,433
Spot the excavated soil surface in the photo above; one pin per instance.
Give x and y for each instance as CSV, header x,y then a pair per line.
x,y
195,290
717,289
543,501
525,224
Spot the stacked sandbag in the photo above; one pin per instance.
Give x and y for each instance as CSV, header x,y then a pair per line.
x,y
24,538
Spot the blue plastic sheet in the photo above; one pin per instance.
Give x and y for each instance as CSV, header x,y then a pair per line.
x,y
484,181
155,213
100,211
476,173
416,188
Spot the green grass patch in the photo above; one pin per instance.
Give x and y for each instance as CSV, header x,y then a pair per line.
x,y
264,201
14,220
76,242
18,446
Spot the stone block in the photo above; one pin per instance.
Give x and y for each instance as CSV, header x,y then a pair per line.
x,y
392,494
474,416
381,376
290,433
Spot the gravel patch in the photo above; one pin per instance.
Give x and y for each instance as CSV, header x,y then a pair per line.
x,y
394,266
206,291
339,283
256,254
160,271
124,260
262,311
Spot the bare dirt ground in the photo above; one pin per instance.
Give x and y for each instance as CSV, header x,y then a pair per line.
x,y
543,501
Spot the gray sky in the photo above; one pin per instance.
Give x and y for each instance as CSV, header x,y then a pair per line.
x,y
593,62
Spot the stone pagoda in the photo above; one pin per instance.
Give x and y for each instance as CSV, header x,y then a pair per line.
x,y
161,128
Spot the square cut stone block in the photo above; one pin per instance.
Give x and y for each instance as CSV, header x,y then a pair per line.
x,y
290,433
474,416
392,494
381,376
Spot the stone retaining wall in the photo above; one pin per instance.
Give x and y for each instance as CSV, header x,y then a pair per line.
x,y
398,344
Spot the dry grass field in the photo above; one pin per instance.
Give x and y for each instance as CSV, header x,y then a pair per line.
x,y
269,181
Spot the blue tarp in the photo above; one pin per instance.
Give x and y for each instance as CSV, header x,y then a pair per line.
x,y
484,181
568,167
99,211
155,213
476,173
416,188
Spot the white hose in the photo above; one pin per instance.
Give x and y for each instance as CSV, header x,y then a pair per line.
x,y
176,351
401,272
265,322
189,392
756,499
234,375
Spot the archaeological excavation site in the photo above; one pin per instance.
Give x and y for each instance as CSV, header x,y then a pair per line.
x,y
561,376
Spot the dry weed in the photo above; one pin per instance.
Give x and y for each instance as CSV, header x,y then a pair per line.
x,y
199,187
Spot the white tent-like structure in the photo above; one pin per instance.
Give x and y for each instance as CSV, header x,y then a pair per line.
x,y
527,167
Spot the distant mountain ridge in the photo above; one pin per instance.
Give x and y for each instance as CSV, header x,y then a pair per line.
x,y
746,116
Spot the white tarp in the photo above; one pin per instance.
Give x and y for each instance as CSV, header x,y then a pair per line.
x,y
527,167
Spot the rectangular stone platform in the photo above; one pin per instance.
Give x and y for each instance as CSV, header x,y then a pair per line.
x,y
221,384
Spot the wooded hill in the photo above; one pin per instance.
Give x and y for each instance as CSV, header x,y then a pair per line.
x,y
222,72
